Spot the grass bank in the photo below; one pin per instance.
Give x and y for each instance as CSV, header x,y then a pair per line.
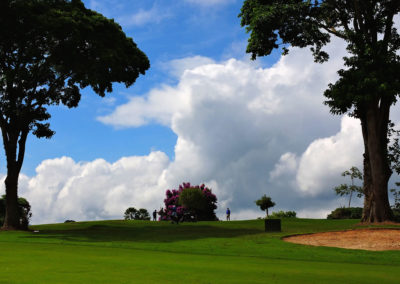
x,y
203,252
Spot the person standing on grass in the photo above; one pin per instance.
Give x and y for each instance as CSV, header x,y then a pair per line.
x,y
228,214
155,215
161,213
174,216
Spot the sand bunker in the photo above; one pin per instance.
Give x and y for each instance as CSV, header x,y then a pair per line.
x,y
367,239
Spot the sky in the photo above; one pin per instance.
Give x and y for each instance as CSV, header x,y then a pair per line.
x,y
203,113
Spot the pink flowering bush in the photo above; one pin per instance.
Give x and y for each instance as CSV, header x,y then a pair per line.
x,y
172,198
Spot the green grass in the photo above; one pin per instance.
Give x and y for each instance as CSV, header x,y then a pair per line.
x,y
204,252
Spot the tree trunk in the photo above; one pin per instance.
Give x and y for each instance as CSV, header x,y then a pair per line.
x,y
14,146
267,212
351,193
11,220
376,165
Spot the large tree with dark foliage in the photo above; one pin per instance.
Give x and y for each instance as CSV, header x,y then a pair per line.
x,y
367,87
49,51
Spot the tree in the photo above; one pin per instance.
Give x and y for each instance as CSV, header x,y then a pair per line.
x,y
394,158
24,211
345,189
396,195
366,88
49,51
133,214
264,203
203,208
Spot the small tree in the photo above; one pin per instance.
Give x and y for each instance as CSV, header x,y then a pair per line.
x,y
264,203
133,214
396,194
345,189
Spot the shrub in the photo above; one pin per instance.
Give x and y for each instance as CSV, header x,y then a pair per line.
x,y
346,213
203,208
283,214
396,214
24,211
133,214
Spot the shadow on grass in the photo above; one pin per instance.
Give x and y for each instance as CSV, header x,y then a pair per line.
x,y
164,234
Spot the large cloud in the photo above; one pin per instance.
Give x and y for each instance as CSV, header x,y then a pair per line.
x,y
64,189
236,122
242,129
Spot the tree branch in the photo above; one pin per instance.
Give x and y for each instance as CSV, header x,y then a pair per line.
x,y
21,148
331,30
388,31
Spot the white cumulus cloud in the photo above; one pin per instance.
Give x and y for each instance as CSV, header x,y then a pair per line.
x,y
241,126
326,158
287,165
242,130
64,189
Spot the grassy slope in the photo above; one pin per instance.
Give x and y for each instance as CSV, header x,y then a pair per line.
x,y
204,252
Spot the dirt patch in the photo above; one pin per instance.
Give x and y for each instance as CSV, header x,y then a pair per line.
x,y
367,239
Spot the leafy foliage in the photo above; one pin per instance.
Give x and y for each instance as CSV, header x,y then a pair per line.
x,y
52,49
346,213
198,199
394,158
49,51
368,85
393,148
192,199
396,194
283,214
264,203
133,214
374,63
24,211
345,189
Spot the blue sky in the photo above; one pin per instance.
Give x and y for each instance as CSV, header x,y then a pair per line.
x,y
203,113
164,30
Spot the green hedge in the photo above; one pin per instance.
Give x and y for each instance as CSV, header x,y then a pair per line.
x,y
346,213
283,214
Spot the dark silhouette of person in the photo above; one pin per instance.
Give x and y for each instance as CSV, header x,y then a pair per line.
x,y
155,215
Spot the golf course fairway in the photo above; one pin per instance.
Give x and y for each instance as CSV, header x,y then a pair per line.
x,y
204,252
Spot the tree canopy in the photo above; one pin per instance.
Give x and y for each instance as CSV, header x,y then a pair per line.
x,y
265,202
136,214
197,199
49,51
367,86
